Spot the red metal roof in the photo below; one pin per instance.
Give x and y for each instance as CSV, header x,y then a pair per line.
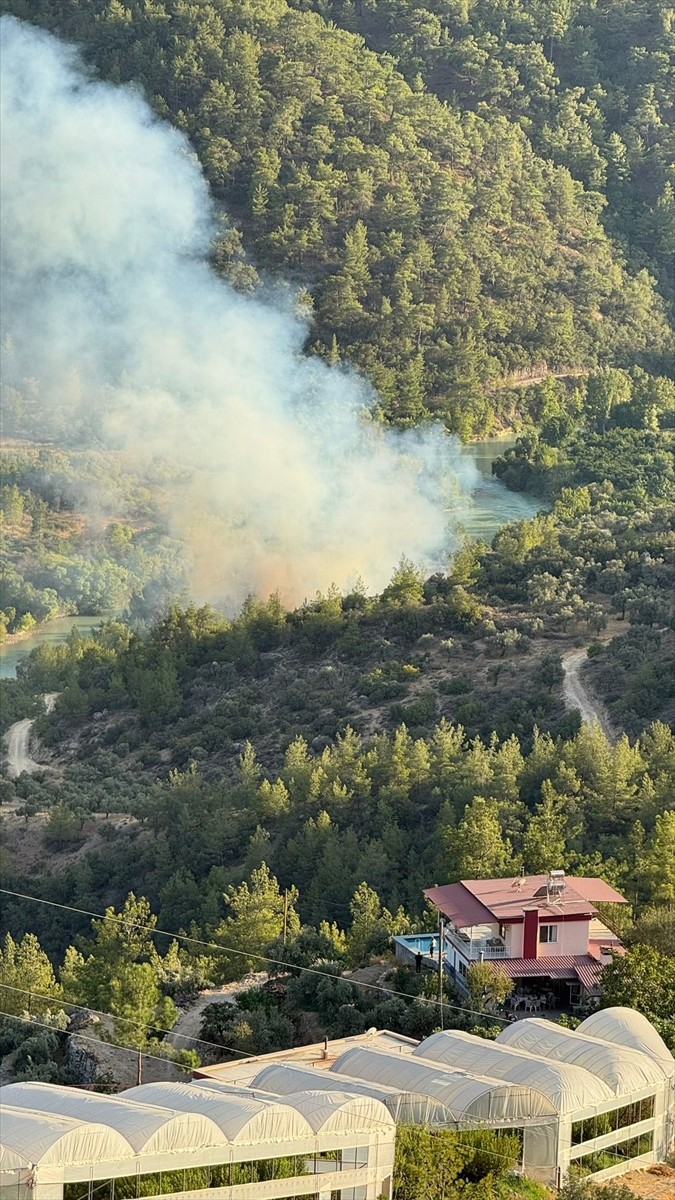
x,y
561,967
567,966
596,947
589,976
596,890
479,901
508,898
459,905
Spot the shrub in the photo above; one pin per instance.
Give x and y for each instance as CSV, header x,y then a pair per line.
x,y
455,687
495,1152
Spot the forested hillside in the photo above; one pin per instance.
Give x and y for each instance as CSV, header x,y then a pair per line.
x,y
444,214
588,83
79,534
473,205
395,740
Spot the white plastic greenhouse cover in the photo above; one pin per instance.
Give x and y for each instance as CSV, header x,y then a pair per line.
x,y
338,1112
466,1097
44,1139
147,1128
569,1088
627,1027
405,1107
243,1120
623,1070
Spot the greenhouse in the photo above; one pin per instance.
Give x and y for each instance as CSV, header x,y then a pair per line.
x,y
60,1143
147,1130
408,1108
320,1120
622,1069
613,1115
469,1100
569,1088
629,1028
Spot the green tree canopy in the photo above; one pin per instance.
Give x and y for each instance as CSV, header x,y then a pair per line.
x,y
27,981
259,913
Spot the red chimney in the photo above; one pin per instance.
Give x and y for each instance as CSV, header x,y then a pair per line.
x,y
531,933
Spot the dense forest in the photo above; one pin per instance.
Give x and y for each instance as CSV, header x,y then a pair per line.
x,y
500,211
474,204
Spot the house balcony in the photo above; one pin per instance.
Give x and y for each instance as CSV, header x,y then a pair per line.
x,y
476,949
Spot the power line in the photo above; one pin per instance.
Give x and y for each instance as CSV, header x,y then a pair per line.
x,y
221,949
95,1041
281,1098
63,1002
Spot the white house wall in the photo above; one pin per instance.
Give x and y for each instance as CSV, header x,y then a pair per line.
x,y
514,941
572,939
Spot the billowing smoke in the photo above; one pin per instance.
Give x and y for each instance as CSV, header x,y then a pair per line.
x,y
112,310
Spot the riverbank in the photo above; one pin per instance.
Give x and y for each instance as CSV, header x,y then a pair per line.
x,y
14,639
18,646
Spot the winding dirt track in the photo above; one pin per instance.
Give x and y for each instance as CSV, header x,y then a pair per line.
x,y
187,1027
576,694
17,741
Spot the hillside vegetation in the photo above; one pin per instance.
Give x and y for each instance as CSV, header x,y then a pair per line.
x,y
79,534
395,739
474,204
446,222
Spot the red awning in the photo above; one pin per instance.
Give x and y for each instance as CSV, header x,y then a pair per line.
x,y
563,966
589,976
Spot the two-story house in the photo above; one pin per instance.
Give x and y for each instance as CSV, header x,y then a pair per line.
x,y
544,931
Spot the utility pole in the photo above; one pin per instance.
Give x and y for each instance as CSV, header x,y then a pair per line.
x,y
285,915
139,1068
441,924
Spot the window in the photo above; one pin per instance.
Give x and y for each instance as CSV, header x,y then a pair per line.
x,y
600,1160
548,933
608,1122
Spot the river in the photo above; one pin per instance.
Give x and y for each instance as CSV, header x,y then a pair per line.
x,y
491,506
11,653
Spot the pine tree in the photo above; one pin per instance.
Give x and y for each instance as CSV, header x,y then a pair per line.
x,y
477,847
259,913
544,845
660,858
27,981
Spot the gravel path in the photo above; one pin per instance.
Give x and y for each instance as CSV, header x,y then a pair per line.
x,y
17,741
576,694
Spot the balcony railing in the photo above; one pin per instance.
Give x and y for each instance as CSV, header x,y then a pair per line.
x,y
476,949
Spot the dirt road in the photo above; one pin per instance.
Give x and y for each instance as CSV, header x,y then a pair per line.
x,y
17,741
576,694
189,1022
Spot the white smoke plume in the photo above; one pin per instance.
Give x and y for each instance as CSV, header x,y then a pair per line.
x,y
111,307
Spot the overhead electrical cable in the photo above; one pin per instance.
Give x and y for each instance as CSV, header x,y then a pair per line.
x,y
265,958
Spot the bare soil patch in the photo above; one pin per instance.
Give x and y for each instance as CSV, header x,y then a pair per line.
x,y
187,1027
654,1183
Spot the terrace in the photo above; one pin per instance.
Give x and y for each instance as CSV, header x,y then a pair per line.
x,y
476,946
